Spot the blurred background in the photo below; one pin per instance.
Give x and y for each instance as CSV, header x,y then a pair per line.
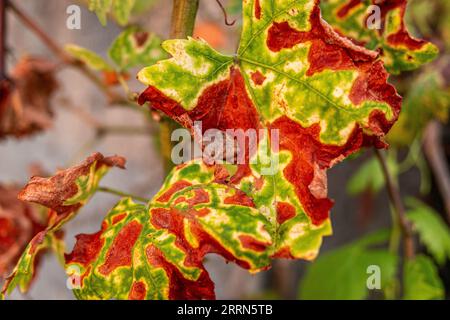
x,y
356,185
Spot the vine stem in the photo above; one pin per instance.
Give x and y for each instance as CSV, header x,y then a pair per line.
x,y
122,194
438,163
182,25
184,13
59,52
397,204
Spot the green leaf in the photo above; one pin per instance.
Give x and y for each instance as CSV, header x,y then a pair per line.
x,y
134,47
429,99
421,280
90,58
400,50
369,177
342,274
433,231
101,9
64,194
121,10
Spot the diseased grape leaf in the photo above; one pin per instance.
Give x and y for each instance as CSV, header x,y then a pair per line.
x,y
293,78
19,222
293,73
355,19
421,280
64,194
157,251
25,100
135,47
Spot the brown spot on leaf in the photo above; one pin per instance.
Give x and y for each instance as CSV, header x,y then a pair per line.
x,y
257,9
138,291
258,78
120,253
177,186
285,211
251,243
140,37
86,249
239,198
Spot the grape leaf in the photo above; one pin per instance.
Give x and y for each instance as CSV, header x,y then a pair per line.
x,y
326,96
355,19
135,47
369,177
342,274
90,58
156,251
19,222
421,280
64,194
121,9
430,99
433,231
25,107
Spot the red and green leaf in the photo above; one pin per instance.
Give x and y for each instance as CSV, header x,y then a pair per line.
x,y
19,222
399,49
64,194
326,96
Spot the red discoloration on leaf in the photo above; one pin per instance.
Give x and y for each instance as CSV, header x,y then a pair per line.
x,y
221,173
240,198
216,109
347,7
86,249
177,186
307,151
19,222
251,243
372,85
285,211
181,288
140,37
400,38
258,78
120,252
200,196
328,50
173,221
138,291
117,218
159,101
257,9
53,192
283,253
